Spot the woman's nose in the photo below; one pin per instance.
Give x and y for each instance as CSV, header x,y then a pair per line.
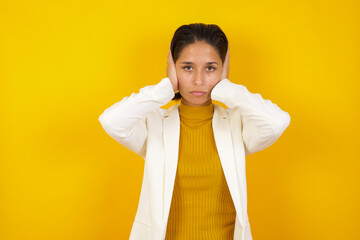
x,y
198,78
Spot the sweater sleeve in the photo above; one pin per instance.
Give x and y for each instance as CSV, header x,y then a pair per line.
x,y
263,122
125,121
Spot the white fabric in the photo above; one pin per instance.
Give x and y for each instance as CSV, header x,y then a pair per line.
x,y
249,124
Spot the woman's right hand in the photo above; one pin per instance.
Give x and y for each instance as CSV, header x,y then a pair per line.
x,y
171,71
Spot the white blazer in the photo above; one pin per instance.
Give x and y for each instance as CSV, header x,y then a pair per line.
x,y
249,124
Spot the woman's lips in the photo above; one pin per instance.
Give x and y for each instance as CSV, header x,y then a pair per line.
x,y
197,93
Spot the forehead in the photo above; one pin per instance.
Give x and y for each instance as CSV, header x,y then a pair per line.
x,y
199,52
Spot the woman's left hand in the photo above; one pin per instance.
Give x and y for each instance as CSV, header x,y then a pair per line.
x,y
226,66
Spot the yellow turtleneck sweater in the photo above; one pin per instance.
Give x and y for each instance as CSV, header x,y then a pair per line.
x,y
201,205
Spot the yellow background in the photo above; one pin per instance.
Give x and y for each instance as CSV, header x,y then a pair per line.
x,y
62,63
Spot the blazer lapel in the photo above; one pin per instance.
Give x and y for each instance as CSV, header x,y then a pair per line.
x,y
223,140
171,135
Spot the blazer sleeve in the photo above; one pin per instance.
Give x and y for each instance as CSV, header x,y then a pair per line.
x,y
263,122
125,121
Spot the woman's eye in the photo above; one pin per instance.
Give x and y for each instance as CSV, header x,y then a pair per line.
x,y
212,68
187,68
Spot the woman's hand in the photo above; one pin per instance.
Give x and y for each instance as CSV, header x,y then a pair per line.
x,y
226,66
171,71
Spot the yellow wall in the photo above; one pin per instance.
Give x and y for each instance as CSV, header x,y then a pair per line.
x,y
62,63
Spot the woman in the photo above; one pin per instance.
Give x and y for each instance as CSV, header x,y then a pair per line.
x,y
194,184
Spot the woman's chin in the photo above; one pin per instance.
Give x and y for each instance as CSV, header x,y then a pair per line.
x,y
197,102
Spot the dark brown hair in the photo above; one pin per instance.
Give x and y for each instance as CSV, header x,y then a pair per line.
x,y
188,34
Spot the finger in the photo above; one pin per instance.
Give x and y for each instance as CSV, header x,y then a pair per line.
x,y
171,58
227,57
227,53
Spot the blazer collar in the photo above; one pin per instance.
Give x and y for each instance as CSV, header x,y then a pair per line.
x,y
224,143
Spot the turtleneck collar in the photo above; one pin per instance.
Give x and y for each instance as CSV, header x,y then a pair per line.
x,y
200,113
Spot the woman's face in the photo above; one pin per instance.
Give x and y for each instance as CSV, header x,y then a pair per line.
x,y
198,70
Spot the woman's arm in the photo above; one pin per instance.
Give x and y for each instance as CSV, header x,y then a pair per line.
x,y
262,121
125,121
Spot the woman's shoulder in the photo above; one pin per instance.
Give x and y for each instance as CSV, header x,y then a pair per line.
x,y
161,113
226,111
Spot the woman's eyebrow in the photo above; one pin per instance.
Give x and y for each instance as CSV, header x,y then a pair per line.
x,y
193,63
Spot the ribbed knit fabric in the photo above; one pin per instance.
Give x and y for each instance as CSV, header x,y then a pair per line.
x,y
201,205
